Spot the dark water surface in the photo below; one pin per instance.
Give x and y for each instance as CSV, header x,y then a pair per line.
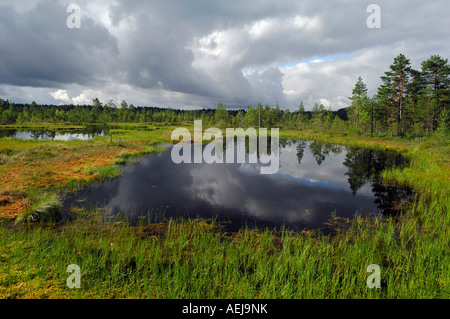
x,y
314,182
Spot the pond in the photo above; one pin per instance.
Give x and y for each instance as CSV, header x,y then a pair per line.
x,y
84,134
314,182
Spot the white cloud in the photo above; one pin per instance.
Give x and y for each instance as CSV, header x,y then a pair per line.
x,y
261,28
60,95
176,54
86,97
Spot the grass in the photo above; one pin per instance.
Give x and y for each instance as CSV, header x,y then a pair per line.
x,y
126,157
196,259
55,165
44,206
192,258
102,172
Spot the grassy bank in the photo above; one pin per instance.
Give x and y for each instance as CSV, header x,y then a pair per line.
x,y
27,165
198,259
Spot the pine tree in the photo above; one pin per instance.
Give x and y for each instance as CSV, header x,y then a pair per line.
x,y
397,78
385,107
221,115
98,108
436,73
301,115
358,92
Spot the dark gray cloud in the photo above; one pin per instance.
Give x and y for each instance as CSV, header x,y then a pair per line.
x,y
187,53
154,56
37,48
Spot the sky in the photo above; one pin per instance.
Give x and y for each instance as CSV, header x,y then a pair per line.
x,y
190,54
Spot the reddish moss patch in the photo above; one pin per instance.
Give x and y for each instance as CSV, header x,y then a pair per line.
x,y
50,171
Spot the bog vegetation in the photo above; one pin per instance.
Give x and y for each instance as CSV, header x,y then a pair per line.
x,y
198,258
409,103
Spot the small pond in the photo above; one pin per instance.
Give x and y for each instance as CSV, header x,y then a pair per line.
x,y
314,182
84,134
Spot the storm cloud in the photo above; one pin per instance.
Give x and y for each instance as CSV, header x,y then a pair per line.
x,y
199,53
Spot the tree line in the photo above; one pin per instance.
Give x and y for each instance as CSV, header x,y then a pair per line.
x,y
408,103
109,112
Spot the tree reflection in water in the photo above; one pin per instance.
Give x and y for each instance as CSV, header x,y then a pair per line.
x,y
364,166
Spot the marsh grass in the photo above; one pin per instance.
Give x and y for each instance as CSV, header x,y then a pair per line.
x,y
126,157
44,206
66,166
194,258
102,172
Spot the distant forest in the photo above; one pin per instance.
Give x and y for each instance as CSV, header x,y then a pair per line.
x,y
409,103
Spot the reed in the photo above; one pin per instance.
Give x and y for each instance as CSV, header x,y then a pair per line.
x,y
44,206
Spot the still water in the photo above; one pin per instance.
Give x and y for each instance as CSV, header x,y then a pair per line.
x,y
46,135
314,182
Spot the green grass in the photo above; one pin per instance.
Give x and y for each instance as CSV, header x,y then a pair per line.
x,y
196,259
187,258
45,206
61,166
103,172
126,157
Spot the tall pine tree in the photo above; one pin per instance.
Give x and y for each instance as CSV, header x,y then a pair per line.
x,y
397,79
